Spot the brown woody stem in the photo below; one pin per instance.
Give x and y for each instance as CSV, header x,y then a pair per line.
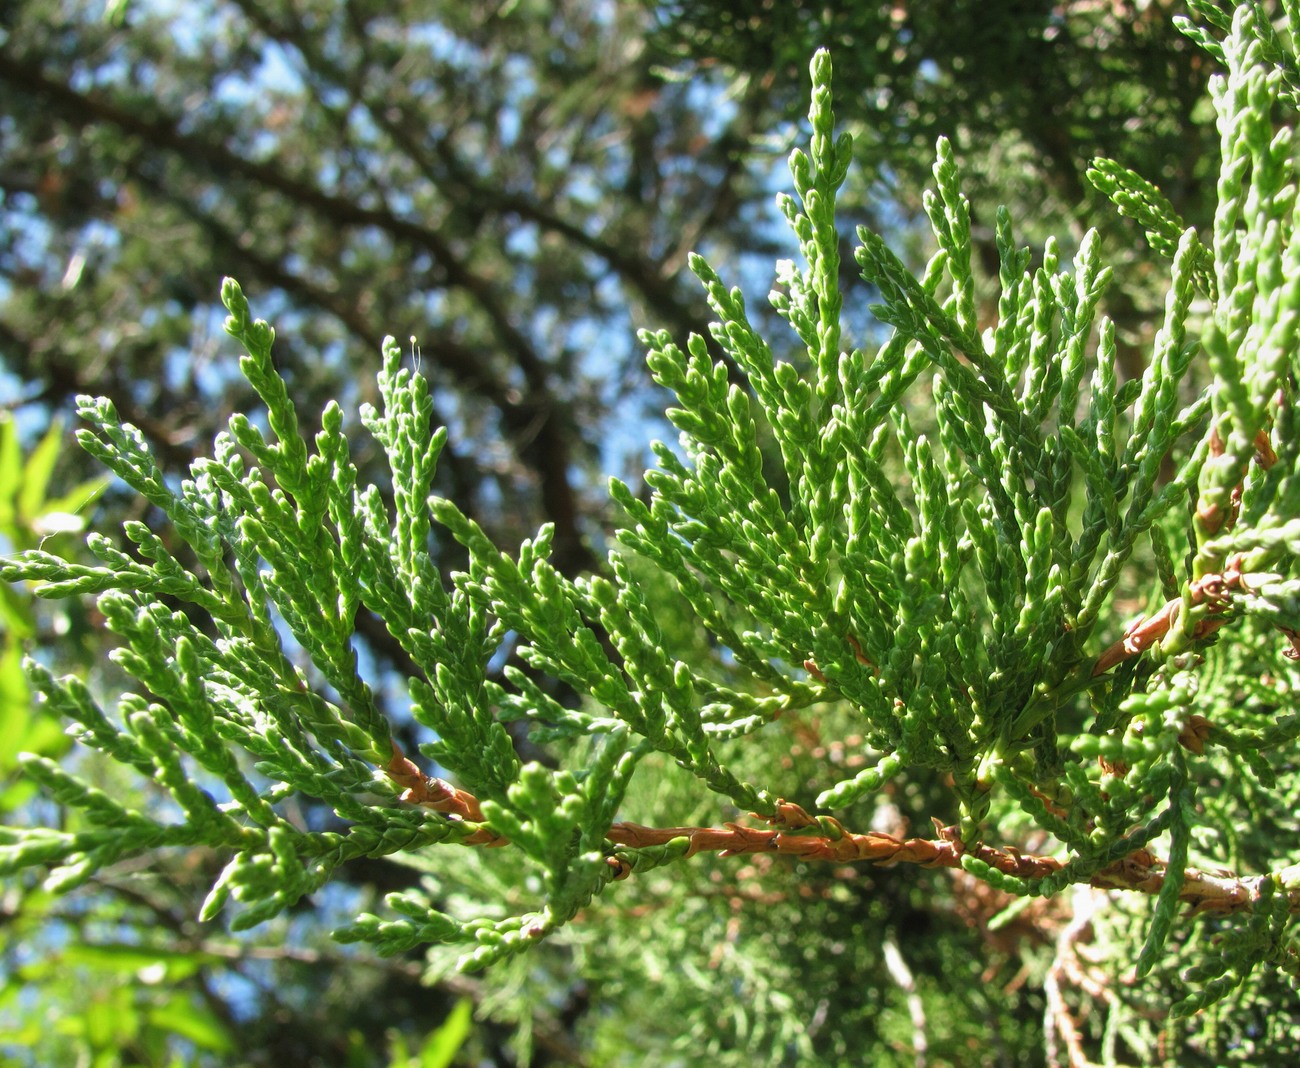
x,y
1211,589
439,795
1141,870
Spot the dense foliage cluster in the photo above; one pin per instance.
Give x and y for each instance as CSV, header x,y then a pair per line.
x,y
965,572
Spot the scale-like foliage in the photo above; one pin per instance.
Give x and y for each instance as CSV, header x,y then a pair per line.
x,y
935,534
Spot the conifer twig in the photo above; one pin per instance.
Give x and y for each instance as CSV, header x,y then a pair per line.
x,y
1145,632
439,795
1141,870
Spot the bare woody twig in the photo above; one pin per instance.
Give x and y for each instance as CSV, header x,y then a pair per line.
x,y
1141,870
441,796
1212,589
1147,631
797,836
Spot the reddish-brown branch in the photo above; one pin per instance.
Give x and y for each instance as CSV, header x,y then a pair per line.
x,y
1141,870
793,835
439,795
1141,635
1146,632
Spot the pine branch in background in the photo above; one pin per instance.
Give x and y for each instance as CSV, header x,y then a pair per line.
x,y
932,533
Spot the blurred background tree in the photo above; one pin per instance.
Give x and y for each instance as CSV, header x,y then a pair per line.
x,y
515,184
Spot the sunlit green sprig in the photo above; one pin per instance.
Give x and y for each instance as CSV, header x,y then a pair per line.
x,y
1253,344
122,449
1006,401
1167,904
934,546
644,687
233,705
1141,201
